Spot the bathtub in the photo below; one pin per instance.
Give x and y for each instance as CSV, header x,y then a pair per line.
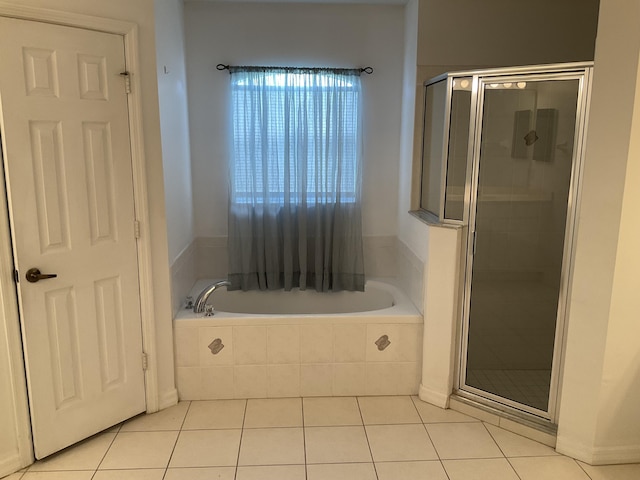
x,y
300,343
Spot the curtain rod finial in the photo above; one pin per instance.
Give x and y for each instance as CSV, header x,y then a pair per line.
x,y
367,70
222,66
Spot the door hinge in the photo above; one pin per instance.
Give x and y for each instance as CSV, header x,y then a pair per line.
x,y
16,276
475,237
136,228
145,361
127,81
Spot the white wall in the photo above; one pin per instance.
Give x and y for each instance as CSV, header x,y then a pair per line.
x,y
505,32
176,147
299,35
599,419
174,124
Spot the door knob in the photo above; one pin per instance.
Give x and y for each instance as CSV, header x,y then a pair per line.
x,y
33,275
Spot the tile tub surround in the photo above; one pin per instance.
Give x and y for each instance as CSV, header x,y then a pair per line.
x,y
207,257
299,355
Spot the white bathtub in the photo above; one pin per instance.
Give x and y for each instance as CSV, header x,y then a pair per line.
x,y
299,343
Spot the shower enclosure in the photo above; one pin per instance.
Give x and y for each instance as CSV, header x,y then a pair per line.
x,y
501,158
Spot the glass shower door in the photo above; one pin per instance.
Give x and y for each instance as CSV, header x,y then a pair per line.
x,y
517,230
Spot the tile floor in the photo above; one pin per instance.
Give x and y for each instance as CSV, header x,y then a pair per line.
x,y
337,438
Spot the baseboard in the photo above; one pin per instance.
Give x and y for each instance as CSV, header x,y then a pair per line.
x,y
12,464
167,399
599,455
433,397
616,455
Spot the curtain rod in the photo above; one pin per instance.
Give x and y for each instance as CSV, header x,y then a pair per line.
x,y
367,70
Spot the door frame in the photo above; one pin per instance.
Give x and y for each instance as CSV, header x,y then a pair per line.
x,y
9,305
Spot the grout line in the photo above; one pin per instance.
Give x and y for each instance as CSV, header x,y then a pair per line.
x,y
166,469
366,436
493,438
513,468
582,468
431,441
106,451
244,417
304,438
186,414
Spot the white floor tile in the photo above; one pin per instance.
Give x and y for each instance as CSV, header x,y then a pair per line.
x,y
61,475
462,441
612,472
215,414
480,469
272,446
85,455
331,411
388,410
201,473
342,471
513,445
432,414
431,470
206,448
336,445
138,474
168,419
13,476
273,412
139,450
548,468
275,472
395,443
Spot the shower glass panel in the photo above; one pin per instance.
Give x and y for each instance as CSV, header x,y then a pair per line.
x,y
458,148
524,174
435,107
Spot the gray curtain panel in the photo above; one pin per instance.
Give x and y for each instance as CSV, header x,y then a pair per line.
x,y
295,180
275,247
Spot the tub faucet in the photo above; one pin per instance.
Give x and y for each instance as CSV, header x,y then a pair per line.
x,y
201,301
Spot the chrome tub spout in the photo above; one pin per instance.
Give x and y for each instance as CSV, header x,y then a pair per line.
x,y
201,301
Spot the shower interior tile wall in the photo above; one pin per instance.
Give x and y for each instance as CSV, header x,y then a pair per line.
x,y
183,276
297,360
410,276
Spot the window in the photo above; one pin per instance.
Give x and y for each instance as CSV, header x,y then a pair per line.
x,y
296,136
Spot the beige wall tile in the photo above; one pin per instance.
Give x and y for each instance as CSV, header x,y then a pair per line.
x,y
250,345
349,342
316,380
283,344
316,343
217,383
250,381
283,381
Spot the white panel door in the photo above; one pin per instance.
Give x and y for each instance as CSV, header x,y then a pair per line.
x,y
69,177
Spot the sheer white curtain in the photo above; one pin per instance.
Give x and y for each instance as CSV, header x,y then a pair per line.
x,y
295,179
